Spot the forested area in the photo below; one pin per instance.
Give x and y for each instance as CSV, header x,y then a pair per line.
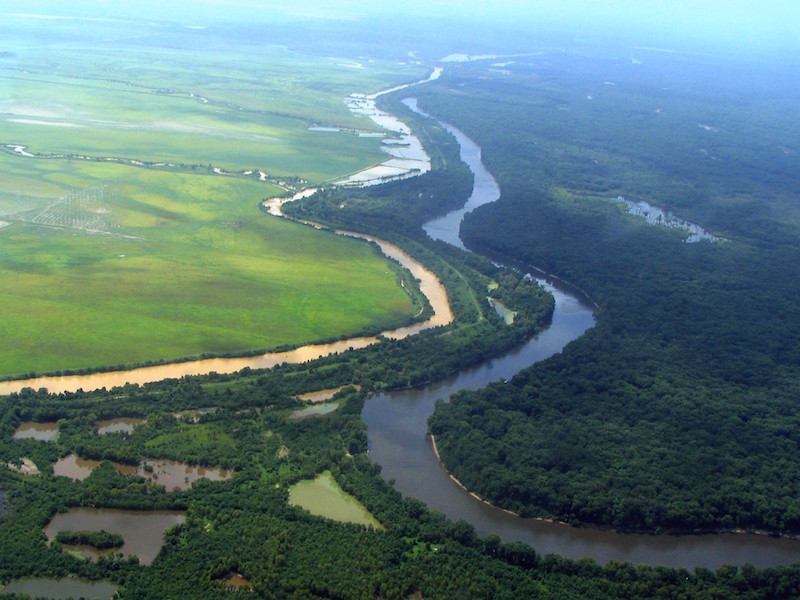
x,y
246,526
678,411
245,422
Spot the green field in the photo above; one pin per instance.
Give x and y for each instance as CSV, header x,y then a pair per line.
x,y
323,497
236,108
105,261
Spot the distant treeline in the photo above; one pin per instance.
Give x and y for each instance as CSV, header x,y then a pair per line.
x,y
679,410
245,525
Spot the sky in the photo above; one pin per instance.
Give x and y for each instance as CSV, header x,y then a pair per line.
x,y
735,24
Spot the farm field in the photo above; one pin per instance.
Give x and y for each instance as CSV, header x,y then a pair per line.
x,y
129,222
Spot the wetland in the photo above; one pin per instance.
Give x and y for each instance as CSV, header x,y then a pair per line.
x,y
142,531
395,523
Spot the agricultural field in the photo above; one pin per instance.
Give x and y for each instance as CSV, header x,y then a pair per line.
x,y
132,171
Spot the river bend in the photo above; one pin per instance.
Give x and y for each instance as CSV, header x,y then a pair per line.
x,y
397,427
397,423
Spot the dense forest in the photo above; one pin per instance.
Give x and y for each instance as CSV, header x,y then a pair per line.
x,y
247,423
678,411
245,525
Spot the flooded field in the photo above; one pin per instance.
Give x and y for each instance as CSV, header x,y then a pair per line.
x,y
173,475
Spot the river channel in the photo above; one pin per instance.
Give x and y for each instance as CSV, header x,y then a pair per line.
x,y
397,423
397,427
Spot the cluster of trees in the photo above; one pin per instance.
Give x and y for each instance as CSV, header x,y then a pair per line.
x,y
678,411
102,540
246,525
633,379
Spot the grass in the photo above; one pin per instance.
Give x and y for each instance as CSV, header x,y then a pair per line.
x,y
324,498
187,264
191,440
193,107
106,264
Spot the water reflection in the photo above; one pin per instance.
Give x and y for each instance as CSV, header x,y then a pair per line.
x,y
173,475
61,589
119,425
658,216
143,531
44,432
316,410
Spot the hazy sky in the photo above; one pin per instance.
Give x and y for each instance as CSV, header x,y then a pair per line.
x,y
733,23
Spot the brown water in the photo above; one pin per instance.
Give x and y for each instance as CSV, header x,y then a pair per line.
x,y
143,531
429,284
173,475
44,432
323,395
58,589
75,467
120,425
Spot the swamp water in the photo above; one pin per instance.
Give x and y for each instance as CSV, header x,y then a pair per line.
x,y
173,475
44,432
142,531
58,589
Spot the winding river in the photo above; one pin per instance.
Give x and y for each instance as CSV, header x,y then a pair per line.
x,y
397,426
397,422
429,285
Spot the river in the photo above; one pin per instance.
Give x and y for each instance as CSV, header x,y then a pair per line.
x,y
429,285
397,427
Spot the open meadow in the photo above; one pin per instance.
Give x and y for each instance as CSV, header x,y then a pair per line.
x,y
133,168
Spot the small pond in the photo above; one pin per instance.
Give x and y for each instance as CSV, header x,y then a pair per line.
x,y
324,498
507,314
119,425
654,215
171,474
44,432
74,467
143,531
58,589
323,395
315,411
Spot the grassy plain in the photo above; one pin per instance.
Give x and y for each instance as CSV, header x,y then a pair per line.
x,y
104,263
150,264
